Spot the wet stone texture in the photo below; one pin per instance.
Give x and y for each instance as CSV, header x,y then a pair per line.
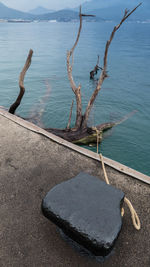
x,y
87,210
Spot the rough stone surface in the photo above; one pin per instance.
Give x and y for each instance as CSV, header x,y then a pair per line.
x,y
87,210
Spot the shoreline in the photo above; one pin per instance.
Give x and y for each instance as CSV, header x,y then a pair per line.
x,y
109,162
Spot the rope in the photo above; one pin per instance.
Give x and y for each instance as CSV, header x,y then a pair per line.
x,y
134,216
98,136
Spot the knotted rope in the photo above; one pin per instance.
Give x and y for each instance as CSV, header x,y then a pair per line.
x,y
134,216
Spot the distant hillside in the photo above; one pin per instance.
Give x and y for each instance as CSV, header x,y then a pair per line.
x,y
113,9
97,4
63,15
94,4
9,13
116,12
40,10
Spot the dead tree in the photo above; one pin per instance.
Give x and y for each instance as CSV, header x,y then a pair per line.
x,y
80,133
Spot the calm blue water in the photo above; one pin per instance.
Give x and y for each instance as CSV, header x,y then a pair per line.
x,y
127,89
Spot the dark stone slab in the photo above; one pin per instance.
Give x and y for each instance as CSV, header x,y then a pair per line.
x,y
87,210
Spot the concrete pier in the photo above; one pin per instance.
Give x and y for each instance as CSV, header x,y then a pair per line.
x,y
32,161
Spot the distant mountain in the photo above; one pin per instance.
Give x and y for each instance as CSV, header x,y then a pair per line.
x,y
115,13
97,4
113,9
62,15
10,13
91,5
40,10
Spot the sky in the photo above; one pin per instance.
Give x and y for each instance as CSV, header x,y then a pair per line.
x,y
25,5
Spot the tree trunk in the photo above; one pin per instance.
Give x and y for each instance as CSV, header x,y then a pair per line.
x,y
15,105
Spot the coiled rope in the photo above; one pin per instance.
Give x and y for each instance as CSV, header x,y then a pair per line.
x,y
135,219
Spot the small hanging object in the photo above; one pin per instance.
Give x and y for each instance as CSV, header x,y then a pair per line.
x,y
87,210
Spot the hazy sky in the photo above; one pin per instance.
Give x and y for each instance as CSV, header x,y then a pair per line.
x,y
51,4
26,5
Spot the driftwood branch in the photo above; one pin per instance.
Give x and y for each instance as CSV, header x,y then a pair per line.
x,y
70,116
15,105
103,74
76,89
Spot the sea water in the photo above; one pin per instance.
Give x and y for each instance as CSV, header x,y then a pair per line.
x,y
126,89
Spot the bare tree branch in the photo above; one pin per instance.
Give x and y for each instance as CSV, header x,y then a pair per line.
x,y
69,121
75,89
103,74
14,106
85,15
